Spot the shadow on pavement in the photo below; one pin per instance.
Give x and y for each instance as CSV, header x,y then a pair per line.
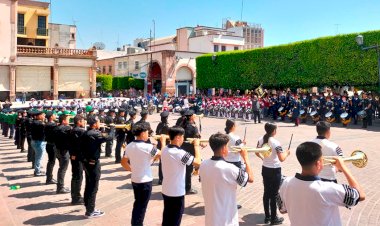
x,y
43,206
53,219
13,169
18,177
13,162
117,178
125,186
12,157
34,194
156,196
253,219
27,184
195,209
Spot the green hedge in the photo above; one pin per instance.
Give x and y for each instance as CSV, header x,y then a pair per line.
x,y
120,83
327,61
106,82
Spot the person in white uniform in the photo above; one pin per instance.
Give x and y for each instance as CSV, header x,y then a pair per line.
x,y
138,157
271,172
329,148
219,180
174,161
310,201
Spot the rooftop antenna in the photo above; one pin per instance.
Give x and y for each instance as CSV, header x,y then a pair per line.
x,y
337,28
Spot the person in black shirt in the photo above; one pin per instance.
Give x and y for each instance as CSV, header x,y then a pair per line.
x,y
76,137
180,120
23,131
92,141
50,138
130,137
110,119
62,141
191,131
144,117
38,141
162,128
120,135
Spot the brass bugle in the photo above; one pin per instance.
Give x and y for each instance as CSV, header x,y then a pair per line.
x,y
200,116
358,158
191,140
116,126
265,150
158,136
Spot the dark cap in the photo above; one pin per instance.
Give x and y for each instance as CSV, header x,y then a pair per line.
x,y
92,119
121,110
132,113
182,112
164,114
49,114
79,111
38,112
143,113
111,110
189,112
101,110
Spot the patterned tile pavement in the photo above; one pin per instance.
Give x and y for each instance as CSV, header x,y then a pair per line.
x,y
37,204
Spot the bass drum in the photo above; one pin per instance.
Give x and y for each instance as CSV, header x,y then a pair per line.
x,y
313,113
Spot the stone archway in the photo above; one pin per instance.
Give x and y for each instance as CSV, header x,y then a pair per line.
x,y
154,78
184,81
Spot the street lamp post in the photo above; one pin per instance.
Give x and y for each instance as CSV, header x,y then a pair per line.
x,y
360,41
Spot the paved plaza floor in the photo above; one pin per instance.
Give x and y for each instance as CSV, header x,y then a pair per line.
x,y
37,204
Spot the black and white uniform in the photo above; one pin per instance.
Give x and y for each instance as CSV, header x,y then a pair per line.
x,y
174,161
329,148
310,201
219,184
234,157
140,155
271,172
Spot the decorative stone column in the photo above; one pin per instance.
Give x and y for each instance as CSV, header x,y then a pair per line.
x,y
12,83
55,79
92,82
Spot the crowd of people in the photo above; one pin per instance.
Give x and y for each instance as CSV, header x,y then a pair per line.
x,y
47,128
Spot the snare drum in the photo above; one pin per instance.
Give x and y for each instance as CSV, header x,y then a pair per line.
x,y
302,112
362,114
328,114
344,115
313,113
280,109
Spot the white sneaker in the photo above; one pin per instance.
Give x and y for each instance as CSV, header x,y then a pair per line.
x,y
96,213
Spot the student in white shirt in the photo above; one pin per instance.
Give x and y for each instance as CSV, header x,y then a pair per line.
x,y
310,201
219,181
329,148
138,158
271,172
234,140
174,161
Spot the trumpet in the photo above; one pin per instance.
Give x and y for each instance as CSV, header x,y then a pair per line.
x,y
158,136
358,158
265,150
191,140
116,126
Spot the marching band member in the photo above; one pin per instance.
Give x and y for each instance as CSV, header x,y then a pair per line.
x,y
310,201
355,108
162,128
110,119
191,131
49,138
130,137
137,158
234,140
92,141
296,106
271,172
329,148
120,134
38,141
219,182
174,161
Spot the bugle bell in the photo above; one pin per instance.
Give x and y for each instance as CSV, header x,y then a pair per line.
x,y
265,150
191,140
158,136
358,159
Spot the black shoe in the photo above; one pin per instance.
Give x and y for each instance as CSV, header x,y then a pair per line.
x,y
159,182
52,181
63,191
238,206
191,192
277,221
40,174
23,151
79,201
267,220
10,137
117,161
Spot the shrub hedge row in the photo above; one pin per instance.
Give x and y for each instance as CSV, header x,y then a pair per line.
x,y
119,83
324,61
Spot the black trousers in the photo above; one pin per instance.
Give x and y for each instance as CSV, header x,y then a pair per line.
x,y
63,158
142,192
17,137
173,210
30,155
256,116
22,141
5,129
189,171
160,176
109,145
51,161
76,178
272,181
92,184
119,144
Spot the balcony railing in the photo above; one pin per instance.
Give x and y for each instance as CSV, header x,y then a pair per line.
x,y
42,31
43,51
21,30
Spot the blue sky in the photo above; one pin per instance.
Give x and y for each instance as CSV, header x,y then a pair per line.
x,y
284,21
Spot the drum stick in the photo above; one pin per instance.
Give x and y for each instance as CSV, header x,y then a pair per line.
x,y
290,143
245,133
